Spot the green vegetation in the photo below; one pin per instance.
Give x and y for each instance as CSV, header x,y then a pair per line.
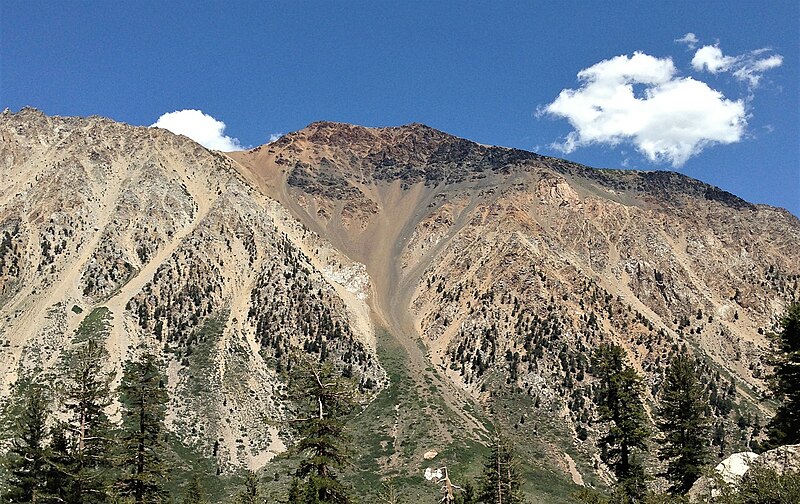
x,y
785,426
323,401
765,486
620,404
87,458
250,494
684,423
94,326
27,460
144,398
500,483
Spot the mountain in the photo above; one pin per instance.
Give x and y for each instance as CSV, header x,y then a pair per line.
x,y
147,237
463,285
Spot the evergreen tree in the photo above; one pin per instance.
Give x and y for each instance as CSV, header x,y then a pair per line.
x,y
468,494
143,396
194,492
295,493
250,494
28,457
500,482
58,480
762,485
684,424
619,403
389,494
324,398
784,428
86,395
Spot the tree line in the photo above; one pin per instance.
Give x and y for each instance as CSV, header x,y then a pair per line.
x,y
80,456
683,425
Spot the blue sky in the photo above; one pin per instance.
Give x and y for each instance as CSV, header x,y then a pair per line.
x,y
492,72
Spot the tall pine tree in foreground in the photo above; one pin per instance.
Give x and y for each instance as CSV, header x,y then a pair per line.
x,y
500,483
684,424
619,403
784,428
86,395
324,398
27,459
143,395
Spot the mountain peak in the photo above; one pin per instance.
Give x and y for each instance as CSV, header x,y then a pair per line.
x,y
351,136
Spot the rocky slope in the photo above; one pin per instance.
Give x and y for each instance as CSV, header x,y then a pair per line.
x,y
511,267
159,242
480,277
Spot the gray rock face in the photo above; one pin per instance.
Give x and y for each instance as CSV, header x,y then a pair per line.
x,y
784,459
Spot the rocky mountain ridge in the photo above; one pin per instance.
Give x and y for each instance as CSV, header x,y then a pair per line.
x,y
481,276
157,241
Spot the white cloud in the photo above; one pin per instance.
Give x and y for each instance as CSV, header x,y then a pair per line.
x,y
747,67
200,127
671,119
690,39
273,137
751,68
711,58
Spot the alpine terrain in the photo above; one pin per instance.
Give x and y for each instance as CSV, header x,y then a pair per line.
x,y
463,288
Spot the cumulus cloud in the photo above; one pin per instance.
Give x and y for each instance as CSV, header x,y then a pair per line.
x,y
747,67
200,127
642,100
690,39
273,137
711,58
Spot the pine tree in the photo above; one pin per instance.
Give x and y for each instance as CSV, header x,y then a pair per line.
x,y
784,428
619,403
684,424
250,493
295,493
468,494
58,480
86,395
500,483
28,457
143,396
324,399
194,492
389,494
